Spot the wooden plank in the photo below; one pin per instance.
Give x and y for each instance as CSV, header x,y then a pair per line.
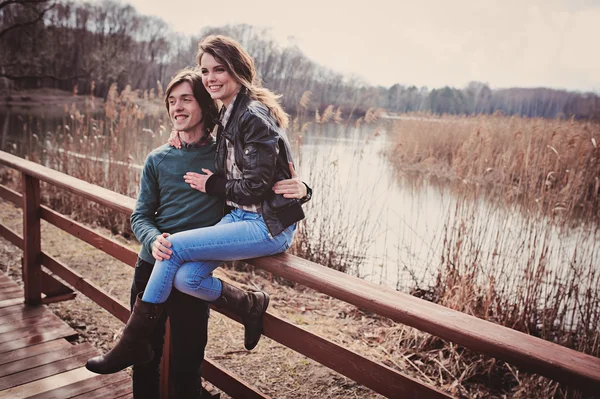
x,y
11,293
228,382
28,331
115,390
533,354
63,332
83,386
34,350
110,199
6,284
45,371
11,195
10,290
32,266
46,384
10,302
31,321
45,358
111,247
112,305
24,314
11,236
22,310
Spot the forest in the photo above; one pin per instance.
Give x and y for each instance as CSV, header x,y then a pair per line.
x,y
87,47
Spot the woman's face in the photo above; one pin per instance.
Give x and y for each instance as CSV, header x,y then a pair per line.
x,y
217,80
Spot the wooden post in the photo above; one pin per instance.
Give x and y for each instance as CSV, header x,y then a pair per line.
x,y
165,364
32,251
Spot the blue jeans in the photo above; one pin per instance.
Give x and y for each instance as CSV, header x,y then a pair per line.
x,y
196,253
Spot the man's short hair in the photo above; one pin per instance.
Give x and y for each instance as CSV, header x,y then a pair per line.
x,y
207,104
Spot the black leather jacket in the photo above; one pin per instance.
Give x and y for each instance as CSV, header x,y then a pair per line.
x,y
262,153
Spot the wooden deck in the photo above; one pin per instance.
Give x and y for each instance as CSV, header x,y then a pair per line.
x,y
37,361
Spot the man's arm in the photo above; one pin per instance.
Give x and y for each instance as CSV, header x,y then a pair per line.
x,y
143,218
293,187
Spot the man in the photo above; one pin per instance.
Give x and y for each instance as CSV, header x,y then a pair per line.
x,y
167,204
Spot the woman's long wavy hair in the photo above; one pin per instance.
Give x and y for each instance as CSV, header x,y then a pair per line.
x,y
240,65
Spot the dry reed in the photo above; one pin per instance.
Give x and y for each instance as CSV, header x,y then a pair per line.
x,y
535,270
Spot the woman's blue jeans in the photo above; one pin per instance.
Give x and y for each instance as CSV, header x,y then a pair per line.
x,y
196,253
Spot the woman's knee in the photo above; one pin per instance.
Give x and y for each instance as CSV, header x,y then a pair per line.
x,y
184,280
202,287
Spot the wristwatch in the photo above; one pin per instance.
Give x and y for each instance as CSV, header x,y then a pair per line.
x,y
308,195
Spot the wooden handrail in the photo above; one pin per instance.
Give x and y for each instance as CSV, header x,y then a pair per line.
x,y
110,199
534,354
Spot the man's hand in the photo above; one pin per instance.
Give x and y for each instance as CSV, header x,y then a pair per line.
x,y
291,188
174,140
160,247
196,180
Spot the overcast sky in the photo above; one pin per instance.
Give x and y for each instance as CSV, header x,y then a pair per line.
x,y
528,43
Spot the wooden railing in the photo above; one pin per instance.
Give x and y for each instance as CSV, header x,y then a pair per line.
x,y
530,353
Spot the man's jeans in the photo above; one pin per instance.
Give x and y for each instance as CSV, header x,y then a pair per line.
x,y
196,253
189,326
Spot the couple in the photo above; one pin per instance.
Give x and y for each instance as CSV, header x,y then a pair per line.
x,y
253,175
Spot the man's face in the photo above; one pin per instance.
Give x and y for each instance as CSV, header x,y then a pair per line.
x,y
184,110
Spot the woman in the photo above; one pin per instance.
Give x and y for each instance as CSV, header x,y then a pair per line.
x,y
253,154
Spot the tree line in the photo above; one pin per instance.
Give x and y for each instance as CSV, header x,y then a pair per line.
x,y
90,46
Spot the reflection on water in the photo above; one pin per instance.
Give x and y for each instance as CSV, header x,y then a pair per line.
x,y
402,227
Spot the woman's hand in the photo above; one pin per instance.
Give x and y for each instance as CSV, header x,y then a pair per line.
x,y
160,247
291,188
197,180
174,140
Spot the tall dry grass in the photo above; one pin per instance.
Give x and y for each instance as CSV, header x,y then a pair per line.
x,y
104,143
552,166
535,264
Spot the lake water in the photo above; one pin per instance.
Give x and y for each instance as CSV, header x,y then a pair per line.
x,y
400,226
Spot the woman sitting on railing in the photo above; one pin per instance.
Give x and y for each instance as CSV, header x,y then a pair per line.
x,y
253,154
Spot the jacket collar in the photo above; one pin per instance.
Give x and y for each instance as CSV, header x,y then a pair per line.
x,y
239,105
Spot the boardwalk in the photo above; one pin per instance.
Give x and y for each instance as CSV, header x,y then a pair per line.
x,y
37,361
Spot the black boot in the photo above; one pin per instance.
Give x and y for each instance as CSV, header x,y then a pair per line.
x,y
250,306
133,347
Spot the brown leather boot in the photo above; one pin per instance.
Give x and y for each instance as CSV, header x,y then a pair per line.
x,y
250,306
133,347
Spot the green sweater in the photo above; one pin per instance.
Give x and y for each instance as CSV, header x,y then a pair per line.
x,y
166,204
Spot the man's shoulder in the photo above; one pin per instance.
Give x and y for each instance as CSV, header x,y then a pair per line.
x,y
158,154
160,151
